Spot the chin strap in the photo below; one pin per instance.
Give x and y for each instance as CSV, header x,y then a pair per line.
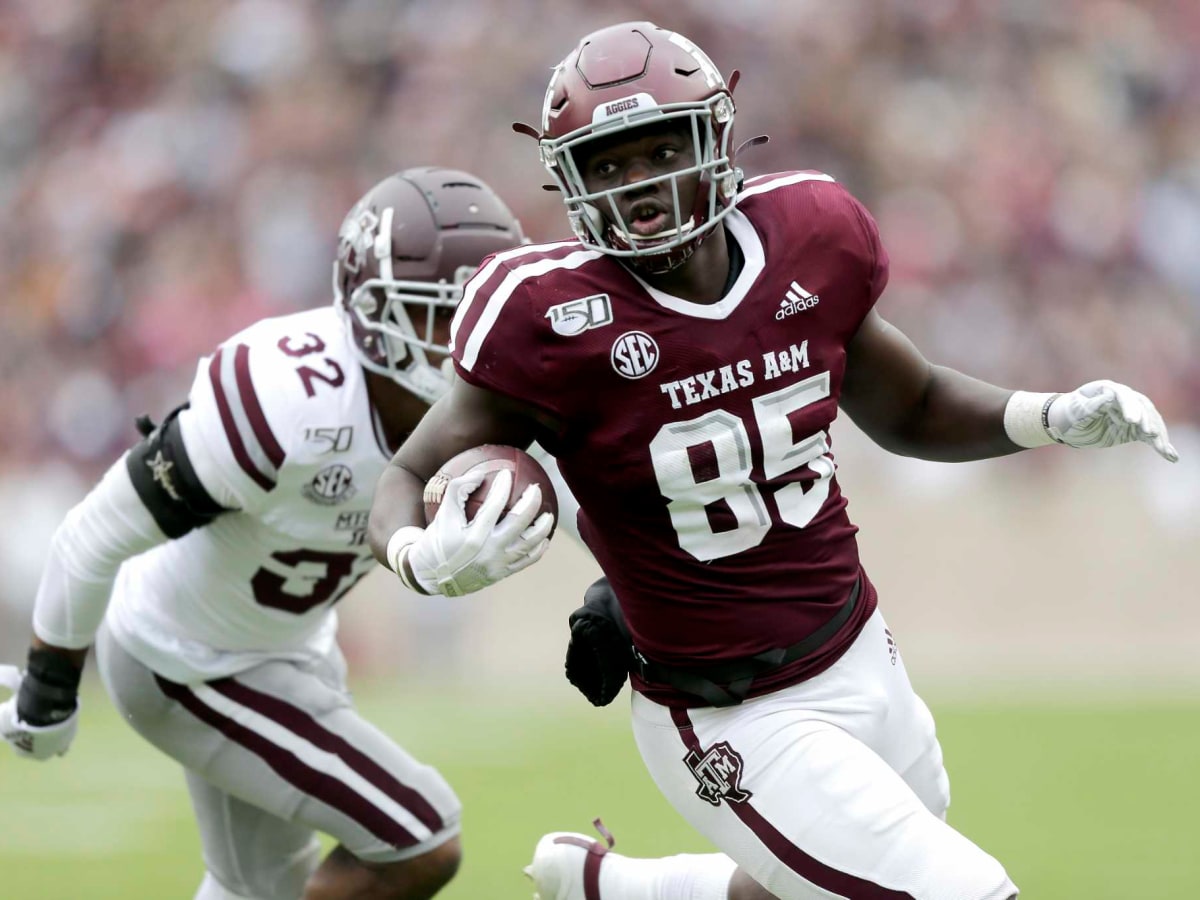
x,y
662,263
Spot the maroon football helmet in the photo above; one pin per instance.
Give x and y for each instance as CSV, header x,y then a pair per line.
x,y
404,252
624,77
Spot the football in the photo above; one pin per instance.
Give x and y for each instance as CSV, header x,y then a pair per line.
x,y
491,459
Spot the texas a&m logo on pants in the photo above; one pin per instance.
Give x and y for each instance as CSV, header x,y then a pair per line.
x,y
719,771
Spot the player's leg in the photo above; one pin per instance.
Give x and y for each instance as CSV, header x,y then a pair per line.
x,y
743,887
284,739
568,866
905,736
239,838
866,701
562,873
867,693
342,874
784,787
246,848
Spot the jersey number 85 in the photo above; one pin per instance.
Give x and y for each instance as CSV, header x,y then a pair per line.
x,y
781,453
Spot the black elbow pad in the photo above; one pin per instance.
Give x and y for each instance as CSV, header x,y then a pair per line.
x,y
164,479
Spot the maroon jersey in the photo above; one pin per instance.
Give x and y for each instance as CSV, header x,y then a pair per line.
x,y
696,437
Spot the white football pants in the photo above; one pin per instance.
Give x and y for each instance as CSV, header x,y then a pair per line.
x,y
272,756
833,787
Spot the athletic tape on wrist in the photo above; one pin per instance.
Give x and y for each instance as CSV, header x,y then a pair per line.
x,y
397,555
1026,419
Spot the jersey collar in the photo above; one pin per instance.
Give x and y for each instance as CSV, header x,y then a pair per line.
x,y
747,238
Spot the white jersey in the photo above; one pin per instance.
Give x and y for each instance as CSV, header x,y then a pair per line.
x,y
280,429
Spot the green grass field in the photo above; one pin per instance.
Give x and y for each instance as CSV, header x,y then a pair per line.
x,y
1086,801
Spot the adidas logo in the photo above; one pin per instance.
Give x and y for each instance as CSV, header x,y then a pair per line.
x,y
796,300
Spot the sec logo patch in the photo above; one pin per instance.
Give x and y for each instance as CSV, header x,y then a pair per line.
x,y
332,485
634,354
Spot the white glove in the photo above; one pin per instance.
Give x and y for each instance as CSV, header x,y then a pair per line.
x,y
33,741
1105,413
453,556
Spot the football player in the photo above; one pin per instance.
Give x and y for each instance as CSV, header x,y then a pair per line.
x,y
220,543
683,358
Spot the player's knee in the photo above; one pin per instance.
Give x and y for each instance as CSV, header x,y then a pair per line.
x,y
425,875
284,879
937,795
415,878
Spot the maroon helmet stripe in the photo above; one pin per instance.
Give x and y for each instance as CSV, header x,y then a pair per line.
x,y
231,429
315,783
304,725
254,412
812,870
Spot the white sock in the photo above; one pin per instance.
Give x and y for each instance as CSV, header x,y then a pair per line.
x,y
686,876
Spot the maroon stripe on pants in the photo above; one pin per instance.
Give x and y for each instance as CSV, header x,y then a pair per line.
x,y
254,412
301,723
231,430
785,851
287,765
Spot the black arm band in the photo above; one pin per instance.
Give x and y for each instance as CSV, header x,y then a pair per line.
x,y
167,483
49,689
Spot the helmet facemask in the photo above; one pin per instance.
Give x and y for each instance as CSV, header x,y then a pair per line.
x,y
595,216
395,339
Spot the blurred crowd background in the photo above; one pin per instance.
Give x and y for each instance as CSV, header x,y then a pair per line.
x,y
171,170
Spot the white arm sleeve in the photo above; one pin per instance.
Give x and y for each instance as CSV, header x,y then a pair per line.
x,y
107,527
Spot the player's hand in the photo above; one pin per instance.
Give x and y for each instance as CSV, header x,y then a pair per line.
x,y
600,654
1105,413
454,556
33,741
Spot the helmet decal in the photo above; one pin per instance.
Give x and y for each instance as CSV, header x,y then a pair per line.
x,y
634,103
711,74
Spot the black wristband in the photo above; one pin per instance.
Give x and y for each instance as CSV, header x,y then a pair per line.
x,y
49,689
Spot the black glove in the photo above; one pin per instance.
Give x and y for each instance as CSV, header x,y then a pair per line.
x,y
600,652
